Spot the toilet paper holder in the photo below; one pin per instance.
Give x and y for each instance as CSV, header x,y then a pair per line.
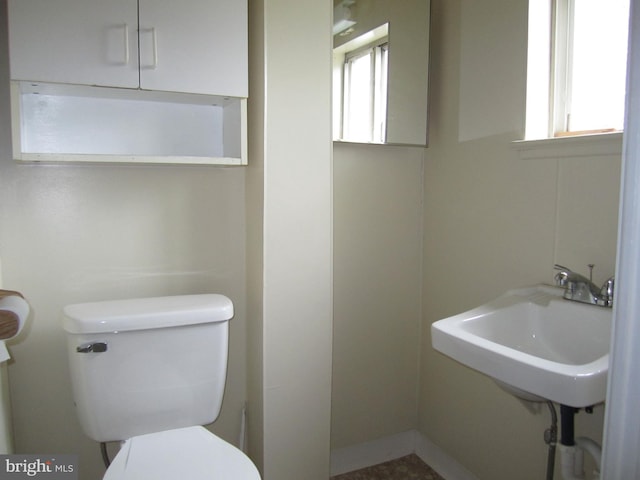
x,y
8,293
9,320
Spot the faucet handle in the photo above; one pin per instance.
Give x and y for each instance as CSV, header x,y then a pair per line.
x,y
562,277
606,292
557,266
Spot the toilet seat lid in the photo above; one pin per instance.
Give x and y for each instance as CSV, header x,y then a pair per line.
x,y
191,452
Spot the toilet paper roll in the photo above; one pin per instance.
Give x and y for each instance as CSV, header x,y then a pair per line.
x,y
13,314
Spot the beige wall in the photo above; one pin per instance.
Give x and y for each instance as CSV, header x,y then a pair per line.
x,y
489,221
82,233
494,221
377,268
255,234
290,242
79,233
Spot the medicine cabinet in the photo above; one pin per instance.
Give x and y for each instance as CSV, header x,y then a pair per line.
x,y
381,71
129,80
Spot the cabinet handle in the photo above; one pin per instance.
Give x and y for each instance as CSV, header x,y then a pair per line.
x,y
126,44
154,48
154,41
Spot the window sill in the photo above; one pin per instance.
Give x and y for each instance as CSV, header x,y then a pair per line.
x,y
596,145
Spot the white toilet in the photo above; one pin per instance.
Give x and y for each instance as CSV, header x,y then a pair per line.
x,y
149,372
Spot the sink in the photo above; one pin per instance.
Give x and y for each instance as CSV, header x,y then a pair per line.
x,y
535,344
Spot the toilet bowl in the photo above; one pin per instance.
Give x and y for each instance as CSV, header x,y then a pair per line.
x,y
192,453
149,372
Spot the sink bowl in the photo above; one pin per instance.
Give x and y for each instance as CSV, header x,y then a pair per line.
x,y
535,344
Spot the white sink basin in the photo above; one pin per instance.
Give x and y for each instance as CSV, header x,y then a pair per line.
x,y
532,339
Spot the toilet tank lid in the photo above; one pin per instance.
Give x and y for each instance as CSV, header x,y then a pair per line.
x,y
146,313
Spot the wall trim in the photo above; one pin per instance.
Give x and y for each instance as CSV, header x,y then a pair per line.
x,y
596,145
366,454
440,461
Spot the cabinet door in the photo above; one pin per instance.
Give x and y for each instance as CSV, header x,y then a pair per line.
x,y
90,42
197,46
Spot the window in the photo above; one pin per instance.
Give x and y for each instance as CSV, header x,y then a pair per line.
x,y
365,94
360,81
576,67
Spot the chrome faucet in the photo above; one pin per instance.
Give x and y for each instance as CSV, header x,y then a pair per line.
x,y
581,289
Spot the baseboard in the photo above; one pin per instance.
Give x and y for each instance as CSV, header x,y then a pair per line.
x,y
395,446
363,455
440,461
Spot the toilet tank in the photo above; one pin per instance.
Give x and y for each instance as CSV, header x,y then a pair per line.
x,y
148,364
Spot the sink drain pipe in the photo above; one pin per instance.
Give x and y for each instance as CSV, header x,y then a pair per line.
x,y
571,456
551,438
572,449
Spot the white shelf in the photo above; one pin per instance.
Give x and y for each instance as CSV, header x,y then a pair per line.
x,y
75,123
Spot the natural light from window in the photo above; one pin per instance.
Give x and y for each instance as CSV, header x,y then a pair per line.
x,y
598,65
360,85
358,95
577,59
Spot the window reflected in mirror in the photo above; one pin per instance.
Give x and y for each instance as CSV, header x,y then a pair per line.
x,y
364,83
380,71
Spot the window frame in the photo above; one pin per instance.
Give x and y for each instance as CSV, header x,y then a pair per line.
x,y
560,80
549,95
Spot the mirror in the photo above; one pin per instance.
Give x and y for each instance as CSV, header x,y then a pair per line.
x,y
381,71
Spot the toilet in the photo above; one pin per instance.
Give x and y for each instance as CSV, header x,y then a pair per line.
x,y
149,372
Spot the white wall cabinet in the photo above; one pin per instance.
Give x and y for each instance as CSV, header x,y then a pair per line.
x,y
194,46
74,41
192,54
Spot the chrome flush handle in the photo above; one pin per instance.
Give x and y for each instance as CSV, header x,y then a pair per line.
x,y
96,347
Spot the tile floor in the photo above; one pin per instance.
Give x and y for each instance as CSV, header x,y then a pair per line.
x,y
410,467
